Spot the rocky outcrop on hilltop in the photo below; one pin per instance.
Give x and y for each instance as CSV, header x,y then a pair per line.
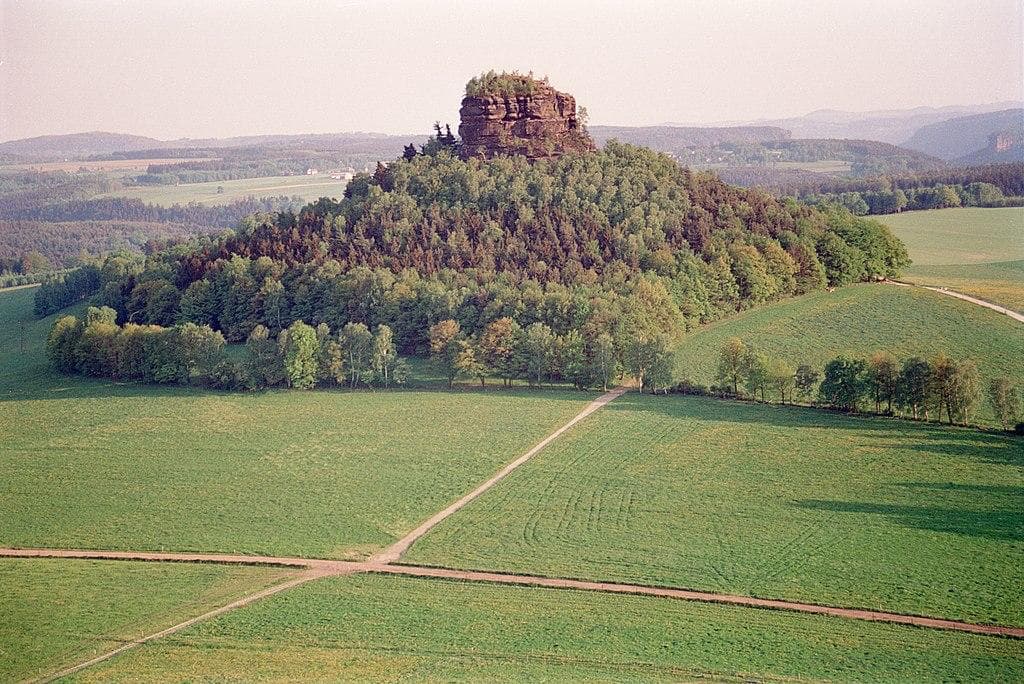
x,y
530,118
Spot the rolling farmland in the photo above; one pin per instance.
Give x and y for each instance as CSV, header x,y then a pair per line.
x,y
434,629
775,502
59,611
309,188
975,251
859,320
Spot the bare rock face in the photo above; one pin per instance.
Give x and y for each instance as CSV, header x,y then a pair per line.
x,y
540,125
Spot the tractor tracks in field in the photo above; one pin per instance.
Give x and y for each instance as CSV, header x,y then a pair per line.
x,y
386,562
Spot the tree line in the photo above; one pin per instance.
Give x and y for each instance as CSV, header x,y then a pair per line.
x,y
299,356
34,246
984,185
135,210
915,387
935,197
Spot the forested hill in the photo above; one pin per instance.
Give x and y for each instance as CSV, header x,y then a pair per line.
x,y
583,242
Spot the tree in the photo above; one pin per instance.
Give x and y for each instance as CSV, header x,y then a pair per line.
x,y
62,343
357,344
883,378
965,391
498,348
101,314
914,386
956,387
201,348
538,352
468,363
264,364
661,374
843,385
604,361
1005,398
755,372
806,381
384,356
96,351
301,351
782,378
444,348
731,363
572,361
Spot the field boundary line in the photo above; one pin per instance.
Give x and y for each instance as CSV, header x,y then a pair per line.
x,y
394,552
319,568
967,298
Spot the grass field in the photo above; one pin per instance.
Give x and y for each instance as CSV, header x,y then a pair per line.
x,y
97,464
859,320
979,252
776,502
309,188
58,612
372,628
1002,282
960,236
113,165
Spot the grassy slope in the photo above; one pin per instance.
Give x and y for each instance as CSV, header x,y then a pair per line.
x,y
96,464
310,188
960,236
59,612
441,631
777,502
859,320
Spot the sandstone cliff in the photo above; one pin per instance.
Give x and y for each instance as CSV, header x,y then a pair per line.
x,y
541,124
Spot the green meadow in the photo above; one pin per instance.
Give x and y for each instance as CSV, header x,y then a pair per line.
x,y
769,501
59,612
960,236
92,463
858,320
979,252
309,188
389,629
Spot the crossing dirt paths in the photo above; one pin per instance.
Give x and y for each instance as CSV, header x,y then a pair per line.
x,y
384,562
315,568
395,551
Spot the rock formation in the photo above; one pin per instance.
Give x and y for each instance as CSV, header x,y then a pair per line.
x,y
541,124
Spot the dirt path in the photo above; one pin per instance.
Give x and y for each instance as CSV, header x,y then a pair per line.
x,y
702,596
974,300
315,568
244,601
395,551
383,562
967,298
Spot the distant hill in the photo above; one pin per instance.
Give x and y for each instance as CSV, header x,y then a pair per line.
x,y
101,144
673,138
76,145
891,126
989,137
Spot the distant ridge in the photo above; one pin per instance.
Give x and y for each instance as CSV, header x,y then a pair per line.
x,y
99,143
989,137
671,138
885,125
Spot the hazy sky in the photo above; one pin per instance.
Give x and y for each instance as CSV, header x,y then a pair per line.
x,y
231,67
